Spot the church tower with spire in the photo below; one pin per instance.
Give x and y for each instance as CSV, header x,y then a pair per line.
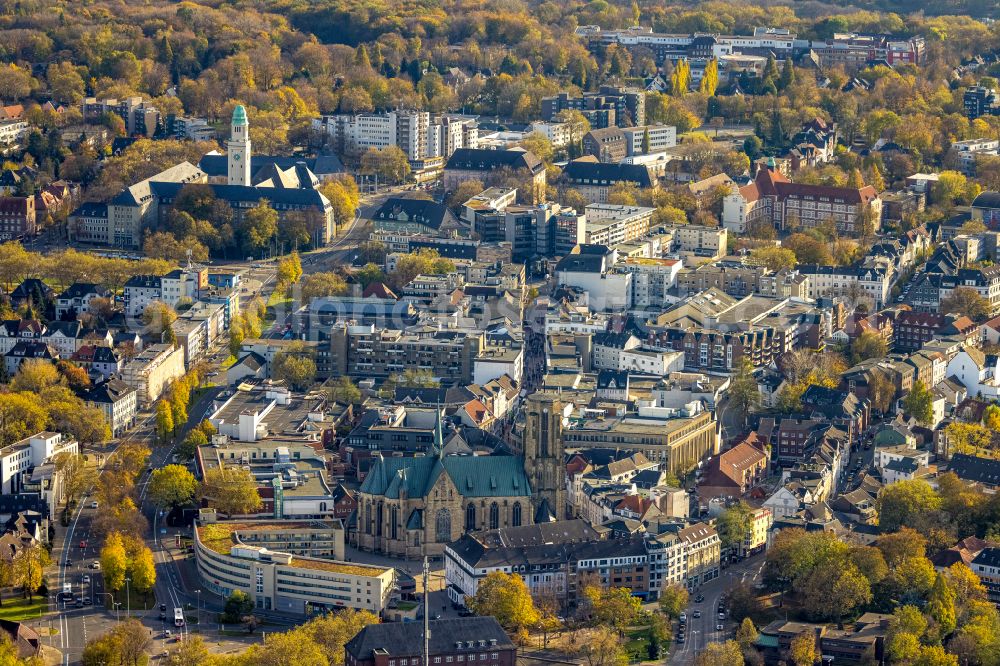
x,y
238,148
543,456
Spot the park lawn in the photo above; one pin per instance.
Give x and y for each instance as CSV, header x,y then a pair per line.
x,y
22,609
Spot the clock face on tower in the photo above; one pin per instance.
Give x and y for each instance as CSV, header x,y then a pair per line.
x,y
237,156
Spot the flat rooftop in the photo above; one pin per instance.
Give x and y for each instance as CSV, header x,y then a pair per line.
x,y
221,537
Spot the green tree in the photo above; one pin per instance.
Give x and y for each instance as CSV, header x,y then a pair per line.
x,y
905,503
868,345
747,634
125,644
803,649
164,419
743,395
919,403
189,447
734,524
114,561
238,604
941,606
322,285
673,600
774,258
172,486
295,366
506,597
967,301
787,77
29,568
614,607
231,490
344,391
258,228
289,269
720,654
710,79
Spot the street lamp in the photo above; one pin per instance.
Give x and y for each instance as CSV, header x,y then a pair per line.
x,y
198,592
128,602
118,608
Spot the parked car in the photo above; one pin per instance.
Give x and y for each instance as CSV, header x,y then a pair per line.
x,y
720,627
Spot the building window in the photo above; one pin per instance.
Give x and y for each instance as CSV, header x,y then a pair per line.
x,y
443,526
470,517
515,515
494,516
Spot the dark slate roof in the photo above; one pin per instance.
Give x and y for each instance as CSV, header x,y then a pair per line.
x,y
29,288
91,209
481,159
583,262
987,200
599,173
144,281
81,289
252,360
406,638
109,392
231,193
473,476
218,165
990,557
421,211
976,469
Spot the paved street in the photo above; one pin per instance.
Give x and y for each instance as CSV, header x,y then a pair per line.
x,y
702,631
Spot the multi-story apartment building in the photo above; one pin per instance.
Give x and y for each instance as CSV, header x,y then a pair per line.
x,y
851,50
913,329
118,401
967,152
986,566
741,280
607,144
559,559
13,133
773,199
610,106
649,139
716,331
487,166
703,549
859,282
452,640
699,241
980,101
152,370
653,280
21,456
560,134
280,581
612,224
371,351
17,218
594,180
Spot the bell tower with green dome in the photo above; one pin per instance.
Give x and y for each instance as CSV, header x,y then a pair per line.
x,y
238,148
